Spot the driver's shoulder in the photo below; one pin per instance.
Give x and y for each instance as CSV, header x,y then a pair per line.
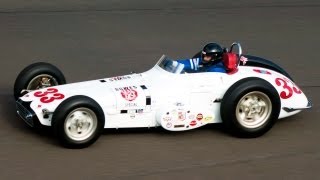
x,y
218,67
189,59
193,61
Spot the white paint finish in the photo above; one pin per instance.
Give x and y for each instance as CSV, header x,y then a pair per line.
x,y
194,92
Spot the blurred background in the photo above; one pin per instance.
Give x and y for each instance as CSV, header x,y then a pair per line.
x,y
98,38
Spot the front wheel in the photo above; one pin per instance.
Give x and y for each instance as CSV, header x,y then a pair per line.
x,y
37,76
250,108
78,121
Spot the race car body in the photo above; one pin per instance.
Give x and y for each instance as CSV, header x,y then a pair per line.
x,y
247,100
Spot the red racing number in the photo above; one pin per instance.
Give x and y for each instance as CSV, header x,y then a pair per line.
x,y
288,90
44,98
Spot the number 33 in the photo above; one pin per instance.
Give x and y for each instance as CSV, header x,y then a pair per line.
x,y
288,90
45,99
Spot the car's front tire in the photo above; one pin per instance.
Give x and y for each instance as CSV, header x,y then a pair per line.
x,y
250,108
36,76
78,122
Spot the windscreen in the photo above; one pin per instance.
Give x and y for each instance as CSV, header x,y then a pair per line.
x,y
170,65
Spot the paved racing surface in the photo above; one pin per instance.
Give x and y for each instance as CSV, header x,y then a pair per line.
x,y
96,39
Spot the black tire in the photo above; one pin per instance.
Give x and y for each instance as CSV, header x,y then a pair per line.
x,y
32,71
69,108
243,91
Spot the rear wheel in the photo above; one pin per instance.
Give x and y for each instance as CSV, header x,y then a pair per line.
x,y
250,108
37,76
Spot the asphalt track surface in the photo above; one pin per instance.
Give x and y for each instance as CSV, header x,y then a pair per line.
x,y
95,39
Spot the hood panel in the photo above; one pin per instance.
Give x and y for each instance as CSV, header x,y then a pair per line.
x,y
110,93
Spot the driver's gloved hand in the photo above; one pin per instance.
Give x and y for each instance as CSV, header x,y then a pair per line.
x,y
168,63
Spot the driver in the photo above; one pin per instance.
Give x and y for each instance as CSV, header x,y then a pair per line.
x,y
210,60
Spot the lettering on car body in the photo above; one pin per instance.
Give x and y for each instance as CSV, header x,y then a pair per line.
x,y
129,93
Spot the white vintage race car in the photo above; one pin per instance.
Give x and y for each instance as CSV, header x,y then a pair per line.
x,y
247,100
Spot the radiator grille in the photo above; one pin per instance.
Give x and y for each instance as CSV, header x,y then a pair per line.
x,y
25,113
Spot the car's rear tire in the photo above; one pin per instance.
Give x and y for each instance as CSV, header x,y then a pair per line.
x,y
78,122
250,108
37,76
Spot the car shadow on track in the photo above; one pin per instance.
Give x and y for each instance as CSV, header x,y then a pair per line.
x,y
217,128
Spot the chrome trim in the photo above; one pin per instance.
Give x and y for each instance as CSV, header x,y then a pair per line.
x,y
239,48
24,113
287,109
46,112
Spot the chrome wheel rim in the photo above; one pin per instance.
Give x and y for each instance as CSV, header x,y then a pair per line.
x,y
80,124
253,109
42,81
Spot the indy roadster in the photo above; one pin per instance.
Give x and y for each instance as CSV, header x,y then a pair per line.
x,y
247,100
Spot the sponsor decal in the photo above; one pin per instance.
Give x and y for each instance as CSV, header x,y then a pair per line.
x,y
166,118
178,126
118,78
208,119
192,116
127,88
49,95
181,116
199,117
131,104
129,93
174,112
139,111
193,123
132,116
179,104
169,125
131,111
244,60
261,71
289,88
